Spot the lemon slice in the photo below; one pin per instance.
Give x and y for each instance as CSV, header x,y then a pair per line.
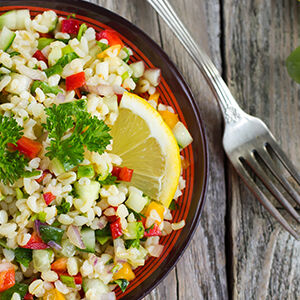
x,y
147,145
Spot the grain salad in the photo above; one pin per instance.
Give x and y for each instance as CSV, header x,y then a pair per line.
x,y
89,171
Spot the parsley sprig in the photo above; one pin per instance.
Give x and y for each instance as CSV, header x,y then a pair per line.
x,y
84,129
12,163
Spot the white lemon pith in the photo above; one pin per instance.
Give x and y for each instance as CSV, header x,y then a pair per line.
x,y
147,145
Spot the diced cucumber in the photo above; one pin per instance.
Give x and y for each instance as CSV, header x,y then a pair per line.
x,y
111,102
68,249
94,51
18,84
138,69
43,42
56,167
22,16
136,201
95,284
54,55
134,230
6,38
85,171
87,194
15,19
102,170
88,238
42,259
182,135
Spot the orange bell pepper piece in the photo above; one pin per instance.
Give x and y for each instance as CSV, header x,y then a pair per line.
x,y
60,265
170,118
158,208
124,273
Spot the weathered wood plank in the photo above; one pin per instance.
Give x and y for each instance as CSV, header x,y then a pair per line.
x,y
259,35
200,274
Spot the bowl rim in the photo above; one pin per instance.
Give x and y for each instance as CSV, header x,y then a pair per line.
x,y
76,4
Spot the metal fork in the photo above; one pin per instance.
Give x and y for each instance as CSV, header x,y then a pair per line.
x,y
248,142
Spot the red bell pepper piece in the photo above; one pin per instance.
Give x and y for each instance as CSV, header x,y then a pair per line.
x,y
111,36
28,296
40,179
40,56
75,81
48,197
116,171
35,243
70,26
125,174
116,229
113,218
7,276
122,173
78,93
29,147
119,98
46,35
154,231
78,278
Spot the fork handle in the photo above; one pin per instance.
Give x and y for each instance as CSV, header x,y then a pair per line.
x,y
229,107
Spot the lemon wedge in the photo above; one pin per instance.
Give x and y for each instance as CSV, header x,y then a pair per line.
x,y
147,145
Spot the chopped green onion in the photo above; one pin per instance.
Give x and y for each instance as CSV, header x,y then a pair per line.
x,y
45,88
126,59
14,53
125,75
103,46
43,42
68,280
81,31
19,193
122,283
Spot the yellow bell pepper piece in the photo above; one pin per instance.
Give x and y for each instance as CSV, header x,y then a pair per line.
x,y
124,273
110,52
154,97
54,295
158,208
170,118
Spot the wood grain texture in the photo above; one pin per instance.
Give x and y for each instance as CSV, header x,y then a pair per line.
x,y
200,274
259,35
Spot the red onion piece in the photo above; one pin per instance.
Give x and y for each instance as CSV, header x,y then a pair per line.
x,y
101,89
60,97
37,224
74,237
54,245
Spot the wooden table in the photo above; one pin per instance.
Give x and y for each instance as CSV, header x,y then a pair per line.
x,y
238,251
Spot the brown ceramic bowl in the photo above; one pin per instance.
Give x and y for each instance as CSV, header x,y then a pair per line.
x,y
175,92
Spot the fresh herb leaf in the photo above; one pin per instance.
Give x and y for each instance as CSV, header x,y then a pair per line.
x,y
45,88
148,229
19,288
174,205
12,163
51,233
73,15
122,283
132,243
293,64
103,46
23,256
81,31
86,131
68,280
138,216
14,53
109,180
63,208
103,235
135,79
